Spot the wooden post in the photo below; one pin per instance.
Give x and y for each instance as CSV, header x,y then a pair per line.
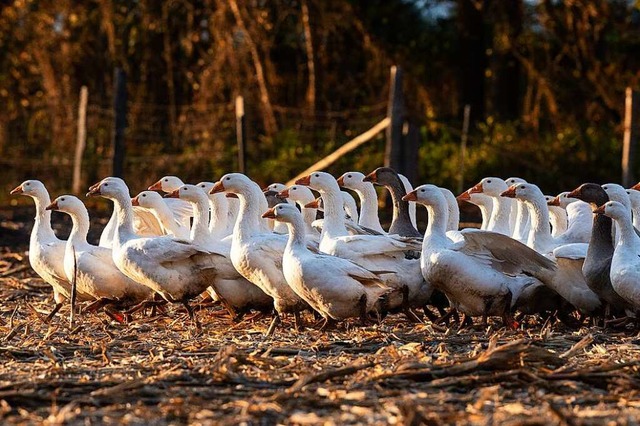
x,y
81,139
241,135
120,122
630,141
463,146
395,112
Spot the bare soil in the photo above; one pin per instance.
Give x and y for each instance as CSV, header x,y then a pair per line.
x,y
158,370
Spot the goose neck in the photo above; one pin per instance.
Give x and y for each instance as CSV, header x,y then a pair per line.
x,y
249,220
297,239
626,233
540,233
368,205
124,212
80,227
42,227
200,227
333,215
499,221
219,213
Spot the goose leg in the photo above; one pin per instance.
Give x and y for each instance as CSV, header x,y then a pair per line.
x,y
329,324
145,304
53,313
192,314
97,305
297,321
445,318
274,323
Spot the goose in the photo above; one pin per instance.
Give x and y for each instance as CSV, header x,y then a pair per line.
x,y
493,187
368,199
634,197
256,254
145,224
154,202
557,217
46,251
412,206
579,216
372,252
519,216
484,203
625,264
617,193
175,269
181,209
220,218
352,227
350,206
484,274
597,262
568,280
401,221
302,196
96,274
272,199
237,294
348,291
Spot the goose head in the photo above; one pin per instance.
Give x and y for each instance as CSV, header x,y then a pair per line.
x,y
615,210
634,196
167,184
188,192
110,188
298,193
66,204
384,176
616,193
352,180
277,187
320,181
524,192
492,186
562,200
514,181
476,198
234,183
205,186
426,195
32,188
282,212
591,193
147,199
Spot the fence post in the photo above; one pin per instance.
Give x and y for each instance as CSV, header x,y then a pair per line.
x,y
395,112
81,139
630,140
241,135
463,146
120,122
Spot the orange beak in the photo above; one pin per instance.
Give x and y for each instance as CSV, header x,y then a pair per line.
x,y
231,195
313,204
17,190
156,186
52,206
412,196
636,186
371,177
135,201
173,194
94,190
340,181
465,196
218,187
509,193
599,210
269,214
306,181
265,189
554,202
574,194
476,189
284,193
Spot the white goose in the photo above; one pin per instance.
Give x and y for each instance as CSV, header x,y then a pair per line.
x,y
368,199
347,291
625,265
302,196
154,202
93,266
493,187
484,203
256,254
579,217
568,281
176,269
46,251
519,214
557,217
373,252
482,275
237,294
180,209
220,217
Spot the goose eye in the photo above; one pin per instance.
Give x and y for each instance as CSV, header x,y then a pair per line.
x,y
27,184
228,178
166,180
106,184
317,175
422,190
349,176
186,189
489,181
144,195
61,199
522,187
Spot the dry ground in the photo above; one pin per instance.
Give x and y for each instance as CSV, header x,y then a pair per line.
x,y
156,370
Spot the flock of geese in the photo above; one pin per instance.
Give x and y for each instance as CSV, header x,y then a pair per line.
x,y
266,250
